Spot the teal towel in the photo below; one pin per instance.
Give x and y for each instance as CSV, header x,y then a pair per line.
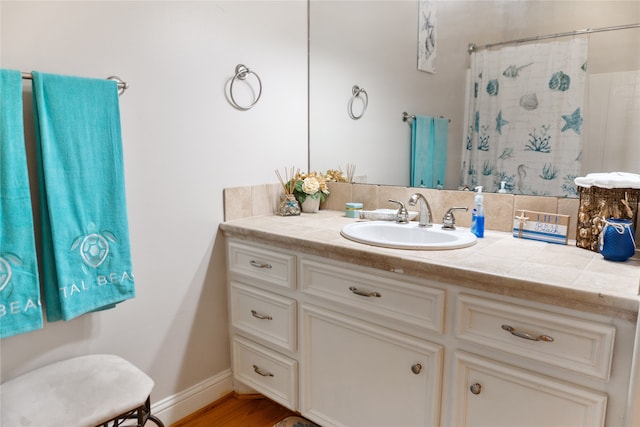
x,y
85,234
20,309
429,137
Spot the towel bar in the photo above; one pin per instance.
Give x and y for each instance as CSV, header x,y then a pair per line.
x,y
122,85
406,117
96,390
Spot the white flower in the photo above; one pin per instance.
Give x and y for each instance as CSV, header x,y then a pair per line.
x,y
310,185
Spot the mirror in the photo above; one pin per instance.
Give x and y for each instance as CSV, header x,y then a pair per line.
x,y
373,44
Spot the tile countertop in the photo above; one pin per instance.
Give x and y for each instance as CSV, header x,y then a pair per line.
x,y
562,275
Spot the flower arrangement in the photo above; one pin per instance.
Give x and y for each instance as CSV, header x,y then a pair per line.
x,y
334,175
339,176
312,184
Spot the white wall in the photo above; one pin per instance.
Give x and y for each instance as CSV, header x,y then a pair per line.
x,y
183,143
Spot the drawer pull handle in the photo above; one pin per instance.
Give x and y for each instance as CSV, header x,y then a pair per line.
x,y
527,336
257,264
262,372
363,293
260,316
475,388
417,368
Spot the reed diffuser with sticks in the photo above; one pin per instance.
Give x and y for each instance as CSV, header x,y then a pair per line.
x,y
289,205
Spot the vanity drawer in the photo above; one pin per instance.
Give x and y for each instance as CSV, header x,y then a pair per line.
x,y
269,266
263,315
574,344
384,297
266,371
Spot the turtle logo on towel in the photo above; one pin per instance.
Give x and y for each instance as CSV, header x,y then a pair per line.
x,y
6,260
94,247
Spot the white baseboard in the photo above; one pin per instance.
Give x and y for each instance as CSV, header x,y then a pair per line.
x,y
178,406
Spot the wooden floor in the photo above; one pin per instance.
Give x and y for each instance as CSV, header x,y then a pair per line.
x,y
234,411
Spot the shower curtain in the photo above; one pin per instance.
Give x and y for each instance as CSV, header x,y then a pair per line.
x,y
524,118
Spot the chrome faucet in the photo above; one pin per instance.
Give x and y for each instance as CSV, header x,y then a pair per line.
x,y
449,221
425,210
402,217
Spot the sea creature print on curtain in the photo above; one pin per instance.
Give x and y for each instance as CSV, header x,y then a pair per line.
x,y
524,118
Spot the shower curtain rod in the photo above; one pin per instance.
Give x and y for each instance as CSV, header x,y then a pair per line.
x,y
122,85
472,47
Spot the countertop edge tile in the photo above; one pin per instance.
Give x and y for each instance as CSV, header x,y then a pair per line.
x,y
319,234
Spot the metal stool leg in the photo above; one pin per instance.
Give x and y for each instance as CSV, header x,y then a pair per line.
x,y
156,420
141,414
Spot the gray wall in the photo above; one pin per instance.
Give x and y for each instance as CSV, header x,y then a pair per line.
x,y
183,143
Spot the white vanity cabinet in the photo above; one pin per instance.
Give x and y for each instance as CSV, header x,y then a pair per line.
x,y
356,374
358,365
488,392
331,340
263,318
350,346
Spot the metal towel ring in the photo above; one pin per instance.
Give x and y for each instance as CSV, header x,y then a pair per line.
x,y
357,92
241,74
122,85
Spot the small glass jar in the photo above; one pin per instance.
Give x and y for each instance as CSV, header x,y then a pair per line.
x,y
352,209
289,206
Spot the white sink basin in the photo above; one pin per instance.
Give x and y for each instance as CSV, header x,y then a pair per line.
x,y
407,236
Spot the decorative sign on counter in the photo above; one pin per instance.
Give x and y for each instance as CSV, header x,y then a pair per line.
x,y
542,226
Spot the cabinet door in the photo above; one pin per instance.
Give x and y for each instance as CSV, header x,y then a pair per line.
x,y
356,374
493,394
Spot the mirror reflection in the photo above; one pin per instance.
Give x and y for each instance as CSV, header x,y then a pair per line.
x,y
374,45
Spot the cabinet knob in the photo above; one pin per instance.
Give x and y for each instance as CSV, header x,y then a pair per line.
x,y
417,368
475,388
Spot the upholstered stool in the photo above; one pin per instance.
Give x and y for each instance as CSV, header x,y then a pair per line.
x,y
87,391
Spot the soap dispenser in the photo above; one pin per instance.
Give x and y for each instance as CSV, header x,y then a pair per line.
x,y
477,215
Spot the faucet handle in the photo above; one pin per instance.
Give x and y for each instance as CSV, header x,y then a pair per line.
x,y
449,221
403,215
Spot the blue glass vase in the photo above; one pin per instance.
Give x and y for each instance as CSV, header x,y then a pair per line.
x,y
616,241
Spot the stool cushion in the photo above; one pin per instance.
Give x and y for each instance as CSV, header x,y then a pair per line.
x,y
80,392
